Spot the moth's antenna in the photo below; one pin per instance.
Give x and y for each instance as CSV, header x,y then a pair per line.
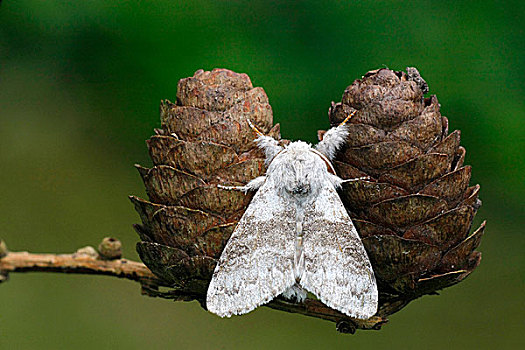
x,y
254,128
334,138
267,143
348,118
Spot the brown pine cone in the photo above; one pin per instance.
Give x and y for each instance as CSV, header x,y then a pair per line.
x,y
204,140
414,213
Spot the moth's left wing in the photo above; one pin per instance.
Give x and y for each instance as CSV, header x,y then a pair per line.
x,y
336,266
257,262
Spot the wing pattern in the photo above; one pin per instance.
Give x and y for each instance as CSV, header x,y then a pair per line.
x,y
257,262
337,269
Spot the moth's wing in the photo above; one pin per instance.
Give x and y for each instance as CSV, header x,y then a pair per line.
x,y
256,264
336,266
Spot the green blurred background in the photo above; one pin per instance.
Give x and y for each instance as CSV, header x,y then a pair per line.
x,y
80,84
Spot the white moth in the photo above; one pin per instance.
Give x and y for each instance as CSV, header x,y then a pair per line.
x,y
294,236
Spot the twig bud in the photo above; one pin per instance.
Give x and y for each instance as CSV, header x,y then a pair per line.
x,y
110,249
3,249
87,250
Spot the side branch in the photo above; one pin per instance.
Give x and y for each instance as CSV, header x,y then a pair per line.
x,y
81,263
107,262
73,263
315,308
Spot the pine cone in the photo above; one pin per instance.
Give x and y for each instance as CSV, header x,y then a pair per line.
x,y
204,141
413,214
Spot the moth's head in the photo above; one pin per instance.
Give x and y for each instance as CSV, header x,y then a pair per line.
x,y
303,154
295,152
299,169
297,148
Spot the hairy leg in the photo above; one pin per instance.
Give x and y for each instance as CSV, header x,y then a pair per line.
x,y
253,185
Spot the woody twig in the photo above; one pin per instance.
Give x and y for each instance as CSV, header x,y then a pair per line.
x,y
107,261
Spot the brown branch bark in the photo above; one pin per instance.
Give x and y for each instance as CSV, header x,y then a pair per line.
x,y
315,308
77,263
94,264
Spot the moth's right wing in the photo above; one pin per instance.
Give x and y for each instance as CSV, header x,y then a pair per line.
x,y
257,262
336,267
